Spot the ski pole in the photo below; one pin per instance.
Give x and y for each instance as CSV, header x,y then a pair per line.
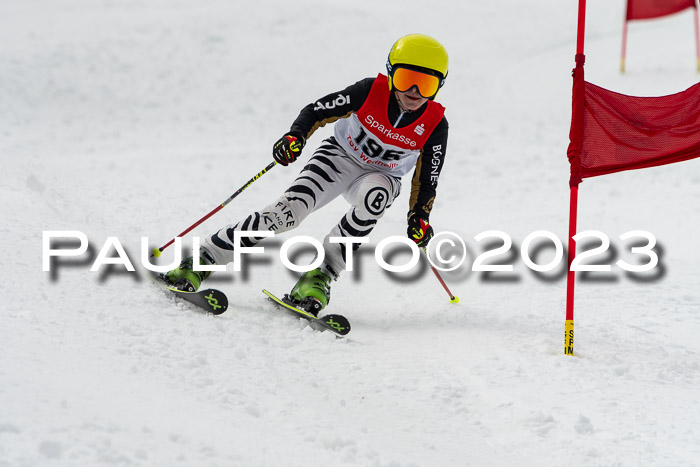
x,y
158,251
453,298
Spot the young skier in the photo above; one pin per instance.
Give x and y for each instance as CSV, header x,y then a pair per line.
x,y
384,127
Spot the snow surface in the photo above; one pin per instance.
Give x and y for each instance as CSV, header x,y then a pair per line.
x,y
129,119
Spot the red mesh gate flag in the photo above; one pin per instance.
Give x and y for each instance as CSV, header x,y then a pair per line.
x,y
645,9
612,132
623,132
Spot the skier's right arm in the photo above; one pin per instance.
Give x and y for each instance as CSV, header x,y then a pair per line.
x,y
328,109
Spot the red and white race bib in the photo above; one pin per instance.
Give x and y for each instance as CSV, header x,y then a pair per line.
x,y
369,136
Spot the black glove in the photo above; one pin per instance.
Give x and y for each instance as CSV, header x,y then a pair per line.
x,y
287,149
419,230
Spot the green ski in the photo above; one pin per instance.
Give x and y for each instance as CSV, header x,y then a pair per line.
x,y
211,300
337,324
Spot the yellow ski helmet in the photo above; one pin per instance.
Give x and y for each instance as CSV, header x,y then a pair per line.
x,y
420,51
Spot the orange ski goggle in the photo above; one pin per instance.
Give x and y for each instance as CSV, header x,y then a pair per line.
x,y
404,79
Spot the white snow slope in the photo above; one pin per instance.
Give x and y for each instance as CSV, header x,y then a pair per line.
x,y
128,119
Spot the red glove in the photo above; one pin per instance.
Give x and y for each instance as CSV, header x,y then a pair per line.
x,y
287,149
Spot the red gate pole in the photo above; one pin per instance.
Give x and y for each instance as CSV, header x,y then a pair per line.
x,y
581,26
574,155
571,275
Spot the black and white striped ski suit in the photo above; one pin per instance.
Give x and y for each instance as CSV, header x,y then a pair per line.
x,y
330,172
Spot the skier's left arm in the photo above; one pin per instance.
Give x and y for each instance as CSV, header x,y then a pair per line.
x,y
424,185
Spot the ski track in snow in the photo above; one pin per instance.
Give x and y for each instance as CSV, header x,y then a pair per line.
x,y
128,120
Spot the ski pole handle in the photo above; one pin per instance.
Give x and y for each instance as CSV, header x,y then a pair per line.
x,y
158,251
